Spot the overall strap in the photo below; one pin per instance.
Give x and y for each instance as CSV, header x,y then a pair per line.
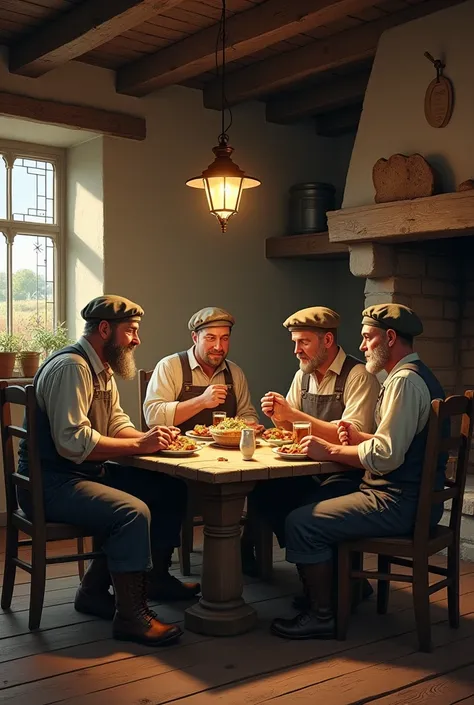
x,y
228,377
187,372
68,350
349,363
305,383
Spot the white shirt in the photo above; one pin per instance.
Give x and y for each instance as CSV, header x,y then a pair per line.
x,y
404,412
65,390
165,385
360,392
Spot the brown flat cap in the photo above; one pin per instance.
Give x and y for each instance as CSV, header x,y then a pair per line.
x,y
396,317
313,317
210,316
111,308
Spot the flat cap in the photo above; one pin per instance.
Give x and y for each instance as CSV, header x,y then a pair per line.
x,y
210,316
313,317
111,308
396,317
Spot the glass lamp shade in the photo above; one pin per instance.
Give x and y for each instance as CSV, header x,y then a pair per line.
x,y
223,182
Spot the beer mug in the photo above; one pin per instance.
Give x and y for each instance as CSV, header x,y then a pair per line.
x,y
218,416
300,430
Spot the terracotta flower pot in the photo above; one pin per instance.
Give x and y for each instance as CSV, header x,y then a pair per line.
x,y
7,363
29,363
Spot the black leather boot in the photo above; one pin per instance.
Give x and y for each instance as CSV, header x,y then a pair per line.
x,y
93,596
164,587
302,602
134,620
318,621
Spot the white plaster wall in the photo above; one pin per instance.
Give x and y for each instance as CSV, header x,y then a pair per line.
x,y
393,116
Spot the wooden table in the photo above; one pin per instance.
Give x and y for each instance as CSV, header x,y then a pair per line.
x,y
225,479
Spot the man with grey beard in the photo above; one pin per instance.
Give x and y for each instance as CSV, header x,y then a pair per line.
x,y
328,387
135,515
386,502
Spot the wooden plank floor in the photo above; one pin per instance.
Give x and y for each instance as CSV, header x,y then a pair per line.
x,y
73,660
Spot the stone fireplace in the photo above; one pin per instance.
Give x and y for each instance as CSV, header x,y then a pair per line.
x,y
421,252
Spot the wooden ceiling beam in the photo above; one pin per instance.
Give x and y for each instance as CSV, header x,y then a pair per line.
x,y
318,98
84,28
347,47
339,122
247,32
80,117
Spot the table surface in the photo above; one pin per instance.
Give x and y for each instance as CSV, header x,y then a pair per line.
x,y
213,464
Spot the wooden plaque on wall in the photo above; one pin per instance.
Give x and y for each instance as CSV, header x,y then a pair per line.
x,y
439,101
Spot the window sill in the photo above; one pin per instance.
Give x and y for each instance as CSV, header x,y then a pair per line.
x,y
21,381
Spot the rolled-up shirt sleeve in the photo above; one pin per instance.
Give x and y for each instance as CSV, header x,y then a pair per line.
x,y
405,407
118,418
360,398
159,407
67,411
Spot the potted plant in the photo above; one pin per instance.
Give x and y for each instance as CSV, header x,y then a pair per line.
x,y
10,344
47,340
29,359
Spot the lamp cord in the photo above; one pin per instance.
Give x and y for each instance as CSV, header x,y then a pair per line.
x,y
222,39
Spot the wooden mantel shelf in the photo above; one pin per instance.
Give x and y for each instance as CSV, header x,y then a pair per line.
x,y
312,246
435,217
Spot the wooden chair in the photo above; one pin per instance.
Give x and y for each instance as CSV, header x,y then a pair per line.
x,y
264,536
414,551
39,531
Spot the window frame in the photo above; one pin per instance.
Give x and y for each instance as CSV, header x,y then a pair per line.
x,y
9,151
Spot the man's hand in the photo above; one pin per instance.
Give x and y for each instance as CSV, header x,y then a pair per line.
x,y
275,406
257,427
315,448
214,396
348,434
158,438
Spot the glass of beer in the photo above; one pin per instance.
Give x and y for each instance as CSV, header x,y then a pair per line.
x,y
300,430
217,417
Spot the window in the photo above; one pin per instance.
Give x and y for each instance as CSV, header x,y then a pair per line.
x,y
30,236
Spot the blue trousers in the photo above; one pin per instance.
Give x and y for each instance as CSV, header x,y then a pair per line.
x,y
133,512
313,531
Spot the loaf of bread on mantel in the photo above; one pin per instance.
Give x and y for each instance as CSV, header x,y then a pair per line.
x,y
402,178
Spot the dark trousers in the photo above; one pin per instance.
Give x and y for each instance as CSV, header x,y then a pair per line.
x,y
132,511
314,530
274,500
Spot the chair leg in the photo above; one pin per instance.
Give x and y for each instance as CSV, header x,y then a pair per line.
x,y
344,593
421,602
264,549
80,562
453,589
38,583
187,540
383,586
11,552
357,563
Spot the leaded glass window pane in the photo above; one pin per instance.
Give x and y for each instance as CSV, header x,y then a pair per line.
x,y
33,191
33,282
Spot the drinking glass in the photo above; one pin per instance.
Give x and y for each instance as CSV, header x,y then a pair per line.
x,y
300,430
218,416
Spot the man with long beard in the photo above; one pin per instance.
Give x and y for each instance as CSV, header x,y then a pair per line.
x,y
385,504
328,387
188,386
135,515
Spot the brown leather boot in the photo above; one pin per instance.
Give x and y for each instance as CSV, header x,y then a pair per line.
x,y
93,596
134,620
164,587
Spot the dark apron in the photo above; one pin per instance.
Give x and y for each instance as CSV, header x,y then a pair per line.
x,y
330,407
191,391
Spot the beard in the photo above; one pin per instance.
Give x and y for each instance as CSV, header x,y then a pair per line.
x,y
121,358
378,358
311,365
212,360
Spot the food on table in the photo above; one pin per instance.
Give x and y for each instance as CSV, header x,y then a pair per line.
x,y
277,434
292,449
230,425
182,443
201,430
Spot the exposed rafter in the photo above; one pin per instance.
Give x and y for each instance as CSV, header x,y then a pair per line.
x,y
247,32
339,122
341,49
85,27
318,98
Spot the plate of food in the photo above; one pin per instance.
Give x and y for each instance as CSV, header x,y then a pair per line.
x,y
200,432
181,447
277,436
292,451
227,433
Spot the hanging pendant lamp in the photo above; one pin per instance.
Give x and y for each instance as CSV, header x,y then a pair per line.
x,y
223,180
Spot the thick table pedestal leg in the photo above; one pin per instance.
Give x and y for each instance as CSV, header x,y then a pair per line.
x,y
221,611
